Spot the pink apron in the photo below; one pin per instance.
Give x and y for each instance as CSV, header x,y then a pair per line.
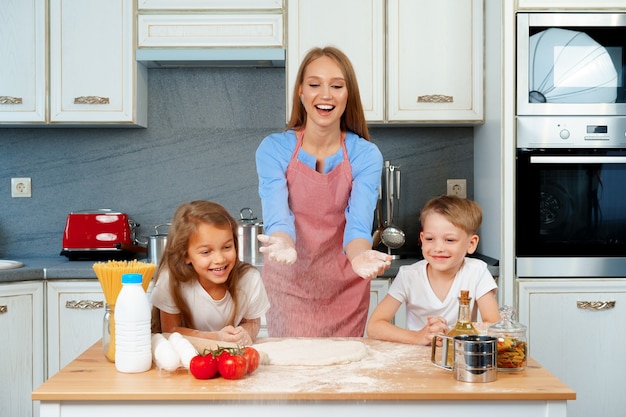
x,y
320,295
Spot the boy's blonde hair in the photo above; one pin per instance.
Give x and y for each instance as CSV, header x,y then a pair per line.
x,y
461,212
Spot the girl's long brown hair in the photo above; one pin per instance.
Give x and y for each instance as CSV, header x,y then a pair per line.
x,y
187,218
353,118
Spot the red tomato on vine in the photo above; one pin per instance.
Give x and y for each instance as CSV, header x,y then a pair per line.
x,y
252,356
203,366
232,366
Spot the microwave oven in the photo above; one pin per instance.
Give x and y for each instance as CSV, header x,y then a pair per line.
x,y
571,64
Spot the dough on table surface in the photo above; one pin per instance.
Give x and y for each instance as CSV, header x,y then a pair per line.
x,y
312,352
201,343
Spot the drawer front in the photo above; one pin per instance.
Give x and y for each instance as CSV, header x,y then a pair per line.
x,y
209,5
205,30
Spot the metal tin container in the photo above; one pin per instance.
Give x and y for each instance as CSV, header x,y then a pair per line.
x,y
156,244
247,231
474,357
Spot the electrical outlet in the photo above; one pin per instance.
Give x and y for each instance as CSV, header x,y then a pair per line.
x,y
20,187
457,187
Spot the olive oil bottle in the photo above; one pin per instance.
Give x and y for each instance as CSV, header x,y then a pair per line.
x,y
463,325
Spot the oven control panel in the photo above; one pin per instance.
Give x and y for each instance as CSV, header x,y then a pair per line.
x,y
570,132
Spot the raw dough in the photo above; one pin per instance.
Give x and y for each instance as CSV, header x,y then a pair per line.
x,y
312,352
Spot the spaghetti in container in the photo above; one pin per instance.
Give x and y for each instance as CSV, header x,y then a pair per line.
x,y
110,277
512,342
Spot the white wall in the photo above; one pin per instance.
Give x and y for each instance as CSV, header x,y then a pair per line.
x,y
489,146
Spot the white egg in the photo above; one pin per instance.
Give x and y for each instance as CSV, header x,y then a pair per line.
x,y
164,354
175,337
185,349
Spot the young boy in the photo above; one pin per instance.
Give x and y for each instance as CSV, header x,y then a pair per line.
x,y
431,287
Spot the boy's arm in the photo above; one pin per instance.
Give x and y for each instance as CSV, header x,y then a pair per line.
x,y
380,327
488,307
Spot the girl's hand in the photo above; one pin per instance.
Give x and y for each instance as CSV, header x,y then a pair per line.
x,y
237,335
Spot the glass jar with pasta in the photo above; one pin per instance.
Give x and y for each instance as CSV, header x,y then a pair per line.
x,y
512,342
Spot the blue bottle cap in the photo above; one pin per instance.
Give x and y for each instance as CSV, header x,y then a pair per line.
x,y
132,278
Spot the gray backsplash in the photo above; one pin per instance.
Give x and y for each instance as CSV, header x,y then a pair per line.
x,y
204,125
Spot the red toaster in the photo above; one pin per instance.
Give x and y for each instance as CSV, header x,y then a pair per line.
x,y
102,233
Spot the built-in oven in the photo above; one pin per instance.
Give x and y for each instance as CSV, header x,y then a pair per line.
x,y
571,197
571,64
570,218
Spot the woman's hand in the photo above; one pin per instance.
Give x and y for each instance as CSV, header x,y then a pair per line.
x,y
370,263
278,248
237,335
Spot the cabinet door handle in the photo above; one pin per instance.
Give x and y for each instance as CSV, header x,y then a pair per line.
x,y
10,100
4,309
595,305
435,98
91,100
84,304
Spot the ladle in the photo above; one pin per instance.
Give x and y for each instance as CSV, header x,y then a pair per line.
x,y
379,215
392,236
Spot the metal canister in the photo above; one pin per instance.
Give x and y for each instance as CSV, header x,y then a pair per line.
x,y
156,244
247,231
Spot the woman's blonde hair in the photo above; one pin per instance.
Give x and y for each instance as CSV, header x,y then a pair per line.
x,y
353,118
461,212
187,218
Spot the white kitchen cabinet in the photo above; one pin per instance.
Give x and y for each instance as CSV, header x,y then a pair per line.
x,y
23,57
416,61
435,60
195,30
22,347
208,4
568,4
210,30
85,74
576,330
357,27
94,78
75,319
378,290
75,314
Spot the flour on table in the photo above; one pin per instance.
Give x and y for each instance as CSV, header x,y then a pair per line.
x,y
312,352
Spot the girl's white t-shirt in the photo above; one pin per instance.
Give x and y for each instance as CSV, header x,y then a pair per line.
x,y
208,314
411,287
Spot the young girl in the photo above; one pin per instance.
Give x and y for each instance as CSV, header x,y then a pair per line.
x,y
431,287
202,288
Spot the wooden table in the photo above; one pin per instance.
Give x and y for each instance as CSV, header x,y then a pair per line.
x,y
393,379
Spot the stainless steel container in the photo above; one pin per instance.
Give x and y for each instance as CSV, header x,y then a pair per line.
x,y
475,357
156,244
247,231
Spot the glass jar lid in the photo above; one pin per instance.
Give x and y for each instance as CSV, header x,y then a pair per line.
x,y
507,324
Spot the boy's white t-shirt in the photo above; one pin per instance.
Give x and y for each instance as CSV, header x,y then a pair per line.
x,y
411,287
208,314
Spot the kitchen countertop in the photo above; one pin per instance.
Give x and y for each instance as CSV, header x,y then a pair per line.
x,y
492,264
35,269
391,372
